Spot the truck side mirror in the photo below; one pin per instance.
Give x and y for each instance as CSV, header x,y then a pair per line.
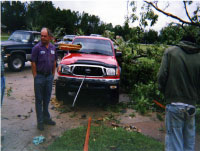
x,y
118,53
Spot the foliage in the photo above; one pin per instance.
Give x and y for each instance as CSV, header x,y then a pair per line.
x,y
150,37
59,32
105,139
171,34
4,36
37,14
192,13
198,117
13,16
9,91
140,64
142,96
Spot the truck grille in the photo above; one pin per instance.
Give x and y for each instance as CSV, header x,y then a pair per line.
x,y
88,70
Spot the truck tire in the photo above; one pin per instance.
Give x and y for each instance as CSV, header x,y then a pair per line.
x,y
62,93
68,98
59,91
114,97
16,63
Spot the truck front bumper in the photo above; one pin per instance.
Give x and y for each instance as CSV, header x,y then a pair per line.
x,y
73,83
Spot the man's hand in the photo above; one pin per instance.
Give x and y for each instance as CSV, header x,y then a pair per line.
x,y
54,68
34,71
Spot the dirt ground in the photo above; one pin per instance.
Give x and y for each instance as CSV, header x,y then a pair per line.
x,y
18,117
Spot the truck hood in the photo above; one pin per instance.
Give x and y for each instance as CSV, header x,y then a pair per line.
x,y
11,43
72,58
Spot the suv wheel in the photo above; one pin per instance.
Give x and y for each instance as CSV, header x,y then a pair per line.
x,y
16,63
114,97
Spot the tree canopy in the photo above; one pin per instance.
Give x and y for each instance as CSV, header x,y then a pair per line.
x,y
34,15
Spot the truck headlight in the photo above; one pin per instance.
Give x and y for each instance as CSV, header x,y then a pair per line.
x,y
110,71
64,69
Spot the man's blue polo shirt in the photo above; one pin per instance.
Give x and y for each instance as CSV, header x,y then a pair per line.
x,y
43,57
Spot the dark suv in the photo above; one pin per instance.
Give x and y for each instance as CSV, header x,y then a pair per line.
x,y
18,48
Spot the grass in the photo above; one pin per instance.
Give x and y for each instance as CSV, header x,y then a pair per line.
x,y
105,139
4,36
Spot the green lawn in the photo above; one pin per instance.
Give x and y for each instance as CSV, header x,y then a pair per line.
x,y
105,139
4,36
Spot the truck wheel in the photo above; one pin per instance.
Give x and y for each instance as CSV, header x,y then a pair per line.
x,y
59,91
68,98
114,97
16,63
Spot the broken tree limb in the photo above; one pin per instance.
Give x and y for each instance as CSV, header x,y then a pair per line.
x,y
173,16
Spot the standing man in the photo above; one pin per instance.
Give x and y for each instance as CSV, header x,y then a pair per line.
x,y
179,80
2,77
43,64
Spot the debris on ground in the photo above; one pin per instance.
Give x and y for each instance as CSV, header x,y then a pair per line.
x,y
38,140
23,117
83,116
115,125
59,106
123,111
30,111
130,128
5,118
9,91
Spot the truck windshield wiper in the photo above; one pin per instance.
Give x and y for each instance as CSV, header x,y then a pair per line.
x,y
83,52
99,53
94,52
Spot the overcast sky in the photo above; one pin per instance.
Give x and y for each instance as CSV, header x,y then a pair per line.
x,y
115,11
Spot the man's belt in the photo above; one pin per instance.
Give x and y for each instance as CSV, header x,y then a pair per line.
x,y
44,73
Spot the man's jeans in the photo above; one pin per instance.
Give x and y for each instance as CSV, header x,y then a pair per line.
x,y
180,129
43,87
2,88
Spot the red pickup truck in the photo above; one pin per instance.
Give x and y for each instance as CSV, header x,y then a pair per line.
x,y
96,63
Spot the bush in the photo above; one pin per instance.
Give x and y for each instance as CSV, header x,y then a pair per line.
x,y
142,96
139,76
198,118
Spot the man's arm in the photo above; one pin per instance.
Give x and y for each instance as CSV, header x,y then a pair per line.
x,y
34,69
54,68
34,55
163,73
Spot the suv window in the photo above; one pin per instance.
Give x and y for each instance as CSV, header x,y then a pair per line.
x,y
94,46
36,37
20,37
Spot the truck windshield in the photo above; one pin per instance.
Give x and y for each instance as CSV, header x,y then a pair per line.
x,y
20,37
94,46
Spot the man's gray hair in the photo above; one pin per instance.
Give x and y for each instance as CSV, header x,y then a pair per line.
x,y
48,31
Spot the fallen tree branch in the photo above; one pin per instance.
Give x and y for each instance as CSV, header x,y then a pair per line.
x,y
139,56
185,6
173,16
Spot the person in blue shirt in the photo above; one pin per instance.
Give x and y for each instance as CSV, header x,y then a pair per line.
x,y
43,64
2,77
